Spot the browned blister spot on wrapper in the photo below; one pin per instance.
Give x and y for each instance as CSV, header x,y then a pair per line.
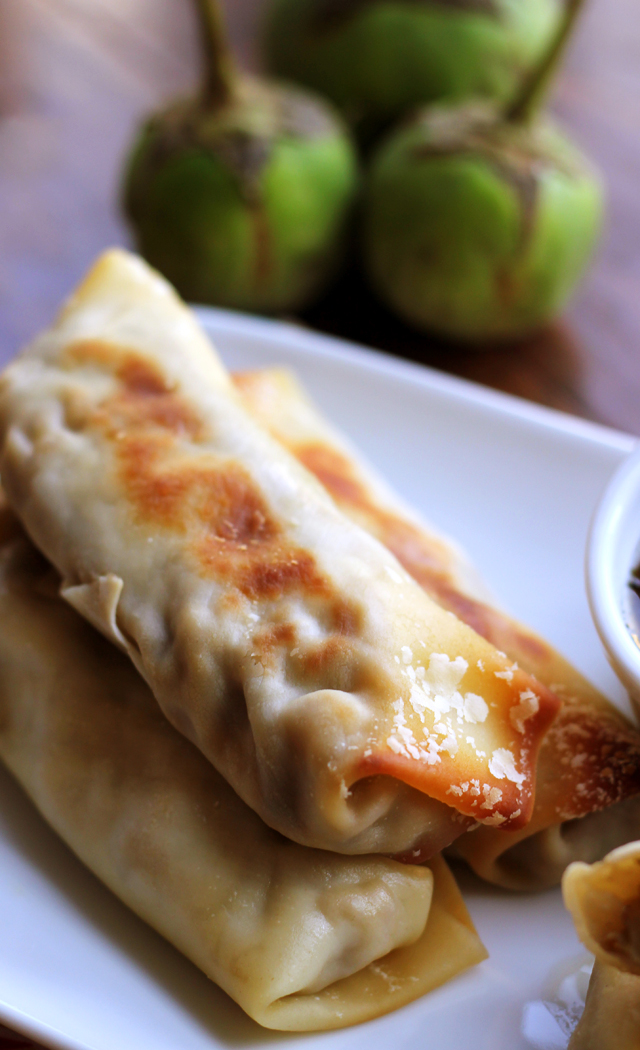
x,y
333,471
595,757
272,643
423,556
145,399
206,497
346,617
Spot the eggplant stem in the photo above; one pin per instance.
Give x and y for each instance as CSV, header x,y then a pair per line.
x,y
219,76
529,99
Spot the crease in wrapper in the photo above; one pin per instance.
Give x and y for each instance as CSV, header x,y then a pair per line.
x,y
343,705
301,939
604,902
588,777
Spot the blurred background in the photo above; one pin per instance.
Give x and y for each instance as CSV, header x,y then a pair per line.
x,y
77,77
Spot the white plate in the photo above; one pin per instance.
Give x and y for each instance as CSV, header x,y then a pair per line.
x,y
516,484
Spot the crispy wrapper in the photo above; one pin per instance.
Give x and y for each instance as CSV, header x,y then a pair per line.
x,y
342,703
588,784
302,939
604,901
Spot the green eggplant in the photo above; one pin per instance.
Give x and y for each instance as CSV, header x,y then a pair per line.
x,y
377,59
241,195
479,224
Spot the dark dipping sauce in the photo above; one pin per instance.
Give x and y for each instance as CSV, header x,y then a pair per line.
x,y
632,610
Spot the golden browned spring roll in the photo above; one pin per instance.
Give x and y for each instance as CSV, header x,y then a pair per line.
x,y
344,706
604,901
588,784
300,938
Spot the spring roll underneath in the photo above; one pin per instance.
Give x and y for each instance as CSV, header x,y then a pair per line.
x,y
343,705
588,778
302,939
604,901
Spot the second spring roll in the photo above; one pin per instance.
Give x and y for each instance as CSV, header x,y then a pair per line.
x,y
302,939
588,778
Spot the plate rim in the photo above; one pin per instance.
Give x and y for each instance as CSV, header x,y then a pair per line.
x,y
30,1028
320,344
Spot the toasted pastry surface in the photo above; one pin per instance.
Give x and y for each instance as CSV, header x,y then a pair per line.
x,y
302,939
344,705
588,782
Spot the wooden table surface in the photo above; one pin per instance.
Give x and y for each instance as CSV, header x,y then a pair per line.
x,y
76,76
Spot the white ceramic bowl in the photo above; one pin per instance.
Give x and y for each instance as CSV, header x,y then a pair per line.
x,y
613,550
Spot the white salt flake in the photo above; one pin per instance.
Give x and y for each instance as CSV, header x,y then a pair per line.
x,y
528,706
507,675
402,741
475,708
492,796
494,821
450,744
444,675
502,764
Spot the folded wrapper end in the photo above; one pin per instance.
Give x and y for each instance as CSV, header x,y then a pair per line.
x,y
534,859
611,1018
604,902
496,796
448,946
98,601
587,802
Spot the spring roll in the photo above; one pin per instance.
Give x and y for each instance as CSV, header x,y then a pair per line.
x,y
604,901
588,782
348,709
302,939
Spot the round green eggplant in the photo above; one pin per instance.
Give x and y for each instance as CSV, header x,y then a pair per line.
x,y
476,228
244,206
376,59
